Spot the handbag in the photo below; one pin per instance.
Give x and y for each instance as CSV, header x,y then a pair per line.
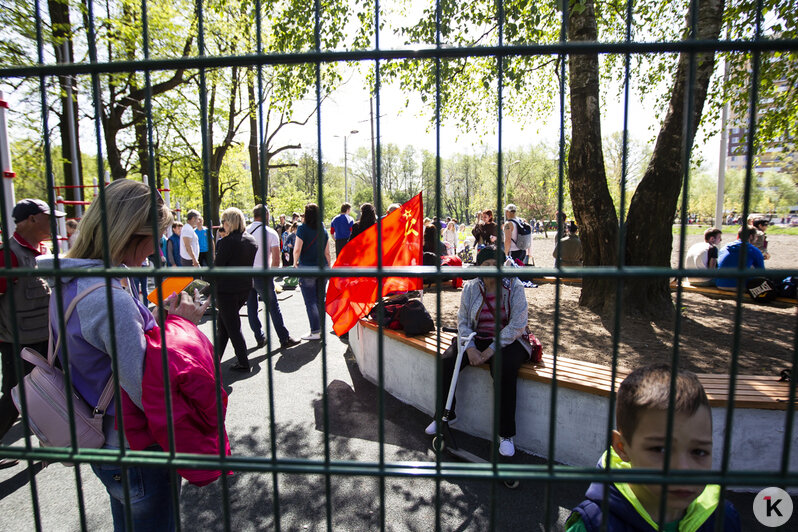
x,y
536,355
46,397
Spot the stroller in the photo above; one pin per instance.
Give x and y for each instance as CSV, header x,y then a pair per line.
x,y
466,254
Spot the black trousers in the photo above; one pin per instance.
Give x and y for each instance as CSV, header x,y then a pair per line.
x,y
339,245
8,412
230,324
513,356
518,254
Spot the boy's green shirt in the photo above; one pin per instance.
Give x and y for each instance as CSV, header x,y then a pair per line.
x,y
697,513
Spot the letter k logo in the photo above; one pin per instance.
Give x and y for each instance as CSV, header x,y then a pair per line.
x,y
772,506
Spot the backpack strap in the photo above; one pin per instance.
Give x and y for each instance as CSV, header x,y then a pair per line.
x,y
105,397
108,391
517,229
52,347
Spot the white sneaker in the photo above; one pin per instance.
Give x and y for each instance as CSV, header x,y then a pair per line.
x,y
312,336
432,428
506,447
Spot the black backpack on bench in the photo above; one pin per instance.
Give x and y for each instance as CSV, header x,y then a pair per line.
x,y
414,318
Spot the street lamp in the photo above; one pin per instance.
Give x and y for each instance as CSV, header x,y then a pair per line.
x,y
506,176
346,179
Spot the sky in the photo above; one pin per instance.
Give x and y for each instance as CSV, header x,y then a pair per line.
x,y
347,109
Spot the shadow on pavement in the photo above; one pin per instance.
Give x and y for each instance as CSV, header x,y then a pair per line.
x,y
20,479
294,358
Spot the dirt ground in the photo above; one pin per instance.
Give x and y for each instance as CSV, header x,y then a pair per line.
x,y
767,339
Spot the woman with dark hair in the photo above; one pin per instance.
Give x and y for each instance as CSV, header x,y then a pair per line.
x,y
312,248
432,243
368,217
485,230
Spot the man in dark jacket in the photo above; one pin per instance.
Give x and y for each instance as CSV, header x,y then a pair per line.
x,y
30,297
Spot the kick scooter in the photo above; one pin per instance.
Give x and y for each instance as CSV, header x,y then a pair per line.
x,y
445,441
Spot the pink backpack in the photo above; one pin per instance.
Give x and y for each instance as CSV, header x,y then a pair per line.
x,y
46,397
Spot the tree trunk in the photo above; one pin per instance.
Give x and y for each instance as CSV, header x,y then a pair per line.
x,y
112,111
142,142
590,197
62,35
654,204
254,161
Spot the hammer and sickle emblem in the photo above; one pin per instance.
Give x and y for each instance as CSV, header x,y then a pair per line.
x,y
409,223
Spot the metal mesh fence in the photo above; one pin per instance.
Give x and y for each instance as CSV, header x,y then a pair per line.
x,y
316,57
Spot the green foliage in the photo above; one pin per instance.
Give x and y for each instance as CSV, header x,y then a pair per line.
x,y
777,107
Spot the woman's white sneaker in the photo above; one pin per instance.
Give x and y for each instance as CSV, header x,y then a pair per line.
x,y
506,447
312,336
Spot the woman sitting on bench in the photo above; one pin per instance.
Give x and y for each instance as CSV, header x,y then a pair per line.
x,y
478,314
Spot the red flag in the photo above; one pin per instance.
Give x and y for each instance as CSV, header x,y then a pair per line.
x,y
351,298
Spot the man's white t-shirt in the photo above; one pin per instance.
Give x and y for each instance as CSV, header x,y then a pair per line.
x,y
188,232
272,240
697,255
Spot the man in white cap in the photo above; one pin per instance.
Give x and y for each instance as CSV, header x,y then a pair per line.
x,y
511,249
31,298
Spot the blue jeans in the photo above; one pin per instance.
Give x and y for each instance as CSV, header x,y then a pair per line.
x,y
150,496
312,288
265,288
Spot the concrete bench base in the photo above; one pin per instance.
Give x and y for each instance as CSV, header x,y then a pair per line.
x,y
582,417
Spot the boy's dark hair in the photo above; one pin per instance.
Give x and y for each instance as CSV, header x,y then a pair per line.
x,y
345,207
259,212
758,222
745,232
649,387
711,232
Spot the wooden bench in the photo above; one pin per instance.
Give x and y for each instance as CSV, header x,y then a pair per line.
x,y
751,391
710,291
582,401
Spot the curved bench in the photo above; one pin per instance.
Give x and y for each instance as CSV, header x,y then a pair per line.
x,y
583,390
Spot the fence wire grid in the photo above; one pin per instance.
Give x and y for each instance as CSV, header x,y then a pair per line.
x,y
551,474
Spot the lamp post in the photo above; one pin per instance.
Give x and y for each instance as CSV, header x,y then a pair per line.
x,y
346,171
506,176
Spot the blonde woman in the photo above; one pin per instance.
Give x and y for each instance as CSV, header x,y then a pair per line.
x,y
238,248
88,335
450,238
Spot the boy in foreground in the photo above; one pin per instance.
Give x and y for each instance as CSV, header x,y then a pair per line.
x,y
639,442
